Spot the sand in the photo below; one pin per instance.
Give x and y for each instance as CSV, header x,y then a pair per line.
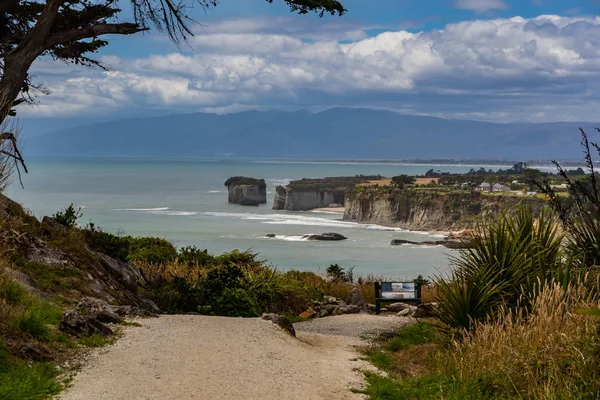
x,y
331,209
200,357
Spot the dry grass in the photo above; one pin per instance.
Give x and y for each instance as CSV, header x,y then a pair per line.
x,y
426,181
550,353
378,182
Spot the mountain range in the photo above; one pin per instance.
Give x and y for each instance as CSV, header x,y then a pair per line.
x,y
345,133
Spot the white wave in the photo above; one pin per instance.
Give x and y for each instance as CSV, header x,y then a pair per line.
x,y
216,191
420,246
290,238
143,209
176,213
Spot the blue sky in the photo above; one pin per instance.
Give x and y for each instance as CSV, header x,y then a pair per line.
x,y
497,60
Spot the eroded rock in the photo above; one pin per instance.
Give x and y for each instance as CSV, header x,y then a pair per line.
x,y
356,299
89,317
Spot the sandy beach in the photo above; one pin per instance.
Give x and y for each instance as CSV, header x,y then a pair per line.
x,y
331,209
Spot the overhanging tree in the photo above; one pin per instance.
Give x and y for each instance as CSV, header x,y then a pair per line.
x,y
72,31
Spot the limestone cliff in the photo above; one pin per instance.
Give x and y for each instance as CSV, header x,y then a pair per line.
x,y
246,191
308,194
419,210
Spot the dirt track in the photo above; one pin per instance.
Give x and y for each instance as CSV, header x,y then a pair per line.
x,y
197,357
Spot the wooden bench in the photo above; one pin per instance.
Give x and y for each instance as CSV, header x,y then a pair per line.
x,y
396,292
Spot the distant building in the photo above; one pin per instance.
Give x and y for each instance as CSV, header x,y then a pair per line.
x,y
531,193
496,187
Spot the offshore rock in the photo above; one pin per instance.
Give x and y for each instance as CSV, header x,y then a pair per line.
x,y
325,236
246,191
280,198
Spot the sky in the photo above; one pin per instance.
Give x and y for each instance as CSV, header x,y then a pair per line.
x,y
492,60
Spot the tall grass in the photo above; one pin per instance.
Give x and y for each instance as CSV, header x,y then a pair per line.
x,y
550,351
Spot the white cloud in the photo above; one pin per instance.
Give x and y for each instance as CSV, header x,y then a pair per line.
x,y
481,5
505,69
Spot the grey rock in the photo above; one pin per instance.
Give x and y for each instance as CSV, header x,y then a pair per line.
x,y
397,242
330,308
89,317
324,313
406,312
351,309
338,311
246,193
356,298
425,310
395,307
125,273
49,224
330,236
280,321
270,235
131,311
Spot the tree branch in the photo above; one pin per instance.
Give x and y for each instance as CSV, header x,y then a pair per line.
x,y
126,28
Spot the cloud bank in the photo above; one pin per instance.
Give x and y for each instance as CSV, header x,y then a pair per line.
x,y
541,69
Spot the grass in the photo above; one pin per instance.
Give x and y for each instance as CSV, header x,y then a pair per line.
x,y
96,340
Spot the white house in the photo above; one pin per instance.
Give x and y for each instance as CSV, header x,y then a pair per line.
x,y
496,187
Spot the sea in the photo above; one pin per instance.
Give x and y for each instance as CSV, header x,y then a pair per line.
x,y
185,201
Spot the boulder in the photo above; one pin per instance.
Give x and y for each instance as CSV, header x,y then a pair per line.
x,y
324,313
280,321
325,236
330,308
356,298
396,307
406,312
270,235
338,311
425,310
125,273
398,242
335,205
89,317
351,309
331,300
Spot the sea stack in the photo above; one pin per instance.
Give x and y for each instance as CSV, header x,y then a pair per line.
x,y
246,191
280,197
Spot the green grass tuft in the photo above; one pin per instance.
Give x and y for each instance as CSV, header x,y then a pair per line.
x,y
419,333
96,340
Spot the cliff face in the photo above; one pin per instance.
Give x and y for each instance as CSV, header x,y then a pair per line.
x,y
430,211
280,196
247,195
246,191
302,200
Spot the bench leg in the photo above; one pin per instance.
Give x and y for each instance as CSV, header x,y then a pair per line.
x,y
377,306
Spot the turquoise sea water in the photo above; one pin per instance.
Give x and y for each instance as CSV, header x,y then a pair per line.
x,y
185,201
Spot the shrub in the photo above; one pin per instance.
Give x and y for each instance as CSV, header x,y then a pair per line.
x,y
507,257
151,250
68,217
191,255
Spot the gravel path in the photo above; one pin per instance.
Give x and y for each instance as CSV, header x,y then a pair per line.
x,y
214,358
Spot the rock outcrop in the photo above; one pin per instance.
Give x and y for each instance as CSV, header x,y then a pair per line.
x,y
420,210
308,194
452,241
89,317
246,191
280,321
331,236
356,299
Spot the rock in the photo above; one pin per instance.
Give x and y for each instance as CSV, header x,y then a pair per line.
x,y
356,298
395,307
406,312
335,205
51,225
425,310
325,236
246,191
338,311
330,307
309,313
398,242
281,321
35,352
125,273
372,307
351,309
270,235
324,313
131,311
280,197
88,317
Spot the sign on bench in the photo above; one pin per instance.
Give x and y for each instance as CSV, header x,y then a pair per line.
x,y
396,292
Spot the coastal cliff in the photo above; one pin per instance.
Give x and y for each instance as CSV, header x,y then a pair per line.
x,y
308,194
421,210
246,191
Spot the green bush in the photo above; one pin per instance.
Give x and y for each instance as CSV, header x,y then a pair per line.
x,y
12,292
151,250
68,217
191,255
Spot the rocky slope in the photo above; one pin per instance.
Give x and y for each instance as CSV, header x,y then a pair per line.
x,y
246,191
420,210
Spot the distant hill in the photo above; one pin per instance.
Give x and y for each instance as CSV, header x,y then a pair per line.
x,y
335,133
